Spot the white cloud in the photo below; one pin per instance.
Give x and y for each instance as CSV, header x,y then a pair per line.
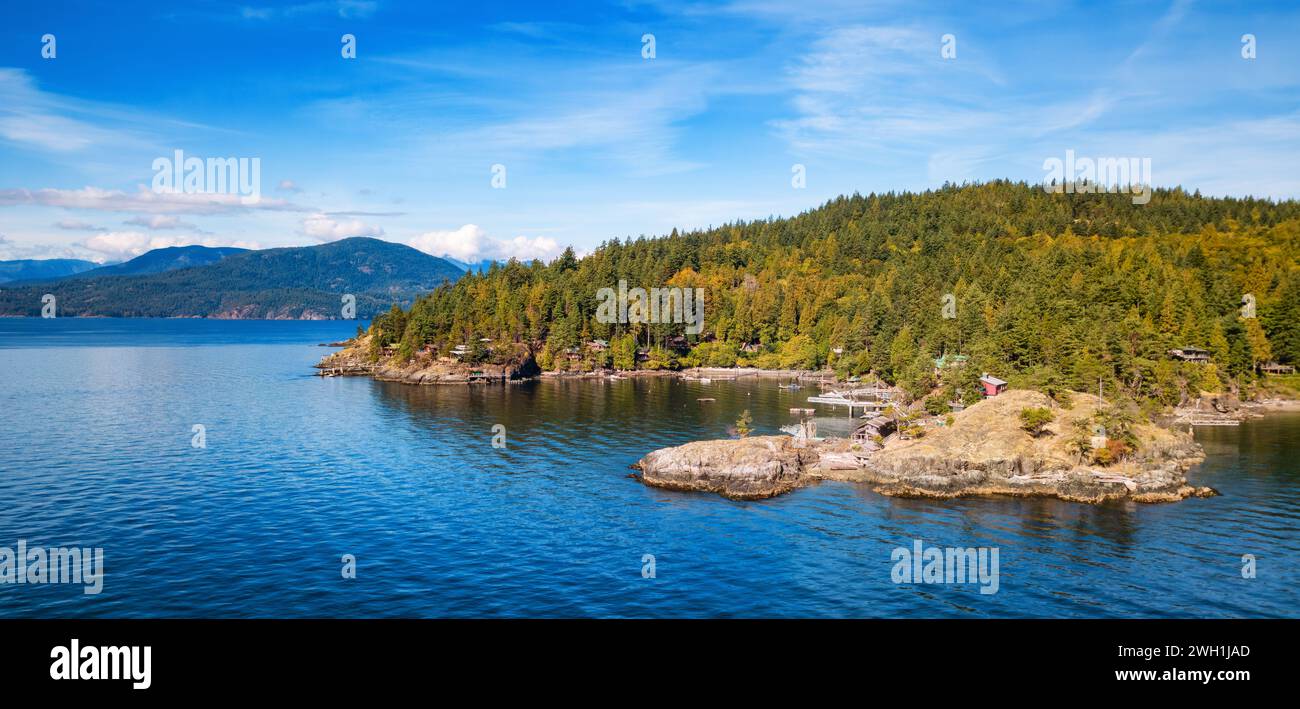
x,y
129,244
471,244
11,250
463,244
288,186
526,248
322,228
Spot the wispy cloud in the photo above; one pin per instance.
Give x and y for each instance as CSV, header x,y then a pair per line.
x,y
143,200
346,9
77,225
157,222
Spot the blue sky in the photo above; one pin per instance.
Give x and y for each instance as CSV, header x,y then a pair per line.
x,y
597,141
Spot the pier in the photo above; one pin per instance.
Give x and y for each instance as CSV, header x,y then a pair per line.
x,y
854,399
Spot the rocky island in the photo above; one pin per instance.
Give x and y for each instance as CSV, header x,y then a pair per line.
x,y
985,451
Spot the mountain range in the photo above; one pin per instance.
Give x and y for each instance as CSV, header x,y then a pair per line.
x,y
42,269
307,282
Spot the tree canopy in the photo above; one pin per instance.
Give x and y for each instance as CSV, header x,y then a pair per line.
x,y
1051,290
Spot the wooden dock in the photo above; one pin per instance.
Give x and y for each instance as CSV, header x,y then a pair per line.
x,y
850,400
1212,422
348,371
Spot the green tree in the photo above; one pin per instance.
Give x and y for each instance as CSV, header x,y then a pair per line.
x,y
744,424
1034,420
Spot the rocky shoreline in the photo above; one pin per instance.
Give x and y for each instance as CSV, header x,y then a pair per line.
x,y
983,453
354,359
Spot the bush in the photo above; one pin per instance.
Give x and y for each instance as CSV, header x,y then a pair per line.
x,y
936,406
1033,420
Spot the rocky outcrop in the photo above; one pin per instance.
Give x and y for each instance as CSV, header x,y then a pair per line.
x,y
355,360
745,469
984,452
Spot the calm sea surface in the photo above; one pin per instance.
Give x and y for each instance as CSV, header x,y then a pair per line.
x,y
96,422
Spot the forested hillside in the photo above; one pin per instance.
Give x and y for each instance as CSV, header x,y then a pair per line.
x,y
286,283
1050,290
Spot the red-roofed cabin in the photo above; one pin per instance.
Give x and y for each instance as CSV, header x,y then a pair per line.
x,y
992,385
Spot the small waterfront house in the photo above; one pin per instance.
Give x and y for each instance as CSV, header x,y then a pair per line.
x,y
573,354
751,347
642,354
678,343
992,385
946,361
880,426
598,345
1190,354
1275,368
459,351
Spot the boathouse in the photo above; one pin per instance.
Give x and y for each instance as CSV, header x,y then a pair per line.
x,y
869,430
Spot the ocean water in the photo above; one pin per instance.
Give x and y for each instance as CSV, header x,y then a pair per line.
x,y
96,450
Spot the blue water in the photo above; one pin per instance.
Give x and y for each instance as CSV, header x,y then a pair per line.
x,y
95,451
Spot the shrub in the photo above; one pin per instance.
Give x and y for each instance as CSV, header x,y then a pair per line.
x,y
1033,420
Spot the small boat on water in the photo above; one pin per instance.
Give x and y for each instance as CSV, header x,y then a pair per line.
x,y
790,387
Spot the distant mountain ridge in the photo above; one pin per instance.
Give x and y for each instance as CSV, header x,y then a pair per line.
x,y
165,259
306,282
40,269
476,267
155,261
